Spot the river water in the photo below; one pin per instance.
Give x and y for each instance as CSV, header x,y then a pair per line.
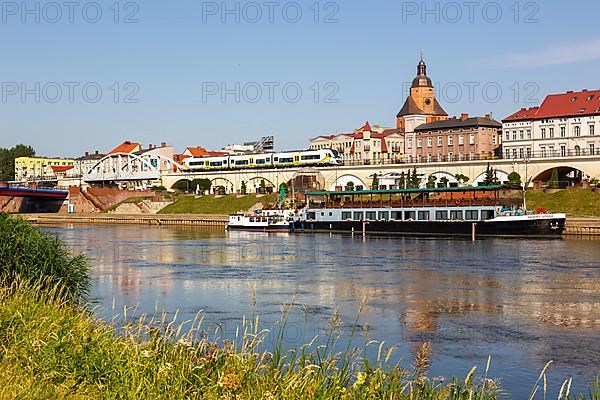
x,y
521,302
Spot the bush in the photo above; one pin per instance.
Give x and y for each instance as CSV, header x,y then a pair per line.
x,y
35,256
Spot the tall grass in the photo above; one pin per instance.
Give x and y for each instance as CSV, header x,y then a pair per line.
x,y
36,256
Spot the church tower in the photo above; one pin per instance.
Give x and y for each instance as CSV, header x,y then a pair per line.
x,y
421,100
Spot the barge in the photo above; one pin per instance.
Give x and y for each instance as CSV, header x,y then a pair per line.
x,y
457,211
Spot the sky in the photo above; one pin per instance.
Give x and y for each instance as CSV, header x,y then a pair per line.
x,y
85,76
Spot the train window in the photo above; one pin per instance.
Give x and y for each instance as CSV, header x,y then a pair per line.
x,y
286,160
275,158
310,157
216,164
261,162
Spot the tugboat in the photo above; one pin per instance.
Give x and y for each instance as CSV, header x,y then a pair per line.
x,y
456,211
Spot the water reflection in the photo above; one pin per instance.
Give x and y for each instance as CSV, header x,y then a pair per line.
x,y
522,302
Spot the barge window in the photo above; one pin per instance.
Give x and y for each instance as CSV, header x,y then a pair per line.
x,y
441,215
346,215
384,215
487,214
397,215
371,215
358,216
456,214
472,215
311,216
423,215
410,215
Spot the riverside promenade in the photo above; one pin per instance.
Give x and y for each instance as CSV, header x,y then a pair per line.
x,y
208,221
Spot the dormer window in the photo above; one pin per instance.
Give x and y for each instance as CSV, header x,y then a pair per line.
x,y
590,97
574,99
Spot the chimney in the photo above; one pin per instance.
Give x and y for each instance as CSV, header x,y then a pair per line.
x,y
150,146
464,116
97,152
584,90
163,144
488,116
569,91
87,153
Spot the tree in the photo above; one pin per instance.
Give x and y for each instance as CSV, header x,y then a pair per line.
x,y
402,182
375,183
414,181
462,179
203,185
554,183
221,190
262,189
7,160
514,179
431,181
489,176
244,189
350,186
444,181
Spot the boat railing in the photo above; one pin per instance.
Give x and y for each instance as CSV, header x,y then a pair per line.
x,y
407,204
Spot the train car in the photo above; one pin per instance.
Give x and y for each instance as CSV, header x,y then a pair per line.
x,y
265,160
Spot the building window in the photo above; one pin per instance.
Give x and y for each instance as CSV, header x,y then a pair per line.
x,y
507,135
429,158
543,149
577,150
461,157
551,131
521,153
419,142
514,135
494,139
450,140
592,130
450,157
507,153
592,149
514,153
471,156
528,152
410,143
521,134
439,140
543,133
440,158
429,142
529,134
472,139
563,151
461,140
563,131
577,131
551,151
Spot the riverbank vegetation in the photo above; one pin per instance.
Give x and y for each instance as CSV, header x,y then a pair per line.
x,y
52,347
216,204
574,201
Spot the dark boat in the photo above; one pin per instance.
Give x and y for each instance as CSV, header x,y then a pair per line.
x,y
467,211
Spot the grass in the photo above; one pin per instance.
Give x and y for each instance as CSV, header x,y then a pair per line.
x,y
216,205
575,202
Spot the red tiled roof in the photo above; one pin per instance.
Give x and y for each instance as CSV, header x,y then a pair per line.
x,y
199,152
384,148
126,147
367,127
61,168
568,104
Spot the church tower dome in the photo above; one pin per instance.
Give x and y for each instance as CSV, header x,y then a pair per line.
x,y
422,80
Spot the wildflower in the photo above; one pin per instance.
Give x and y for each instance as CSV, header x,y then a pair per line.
x,y
361,377
230,382
145,354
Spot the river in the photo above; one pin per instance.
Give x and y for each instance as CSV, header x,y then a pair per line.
x,y
522,302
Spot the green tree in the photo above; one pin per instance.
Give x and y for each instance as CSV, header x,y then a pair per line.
x,y
350,186
462,179
244,188
7,160
554,183
402,182
375,183
431,181
414,181
514,179
489,176
444,181
262,189
221,190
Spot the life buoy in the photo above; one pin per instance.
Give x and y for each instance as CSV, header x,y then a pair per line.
x,y
458,201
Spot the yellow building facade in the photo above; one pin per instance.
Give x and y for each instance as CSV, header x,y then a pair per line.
x,y
34,168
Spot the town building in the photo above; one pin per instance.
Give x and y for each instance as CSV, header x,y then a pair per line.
x,y
366,145
458,139
87,162
563,125
31,169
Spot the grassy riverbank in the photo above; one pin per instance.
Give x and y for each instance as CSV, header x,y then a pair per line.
x,y
216,204
575,202
53,347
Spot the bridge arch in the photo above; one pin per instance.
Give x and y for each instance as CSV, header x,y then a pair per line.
x,y
343,181
226,183
255,183
439,175
568,175
500,174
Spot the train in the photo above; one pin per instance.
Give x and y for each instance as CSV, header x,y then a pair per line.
x,y
325,157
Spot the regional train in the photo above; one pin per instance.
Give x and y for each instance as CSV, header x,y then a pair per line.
x,y
326,157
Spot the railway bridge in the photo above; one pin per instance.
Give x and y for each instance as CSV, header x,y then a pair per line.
x,y
534,171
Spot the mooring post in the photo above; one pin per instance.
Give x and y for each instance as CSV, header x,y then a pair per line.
x,y
473,229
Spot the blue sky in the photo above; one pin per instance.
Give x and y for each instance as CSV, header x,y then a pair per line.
x,y
174,61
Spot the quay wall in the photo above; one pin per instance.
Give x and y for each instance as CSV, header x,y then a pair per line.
x,y
208,221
